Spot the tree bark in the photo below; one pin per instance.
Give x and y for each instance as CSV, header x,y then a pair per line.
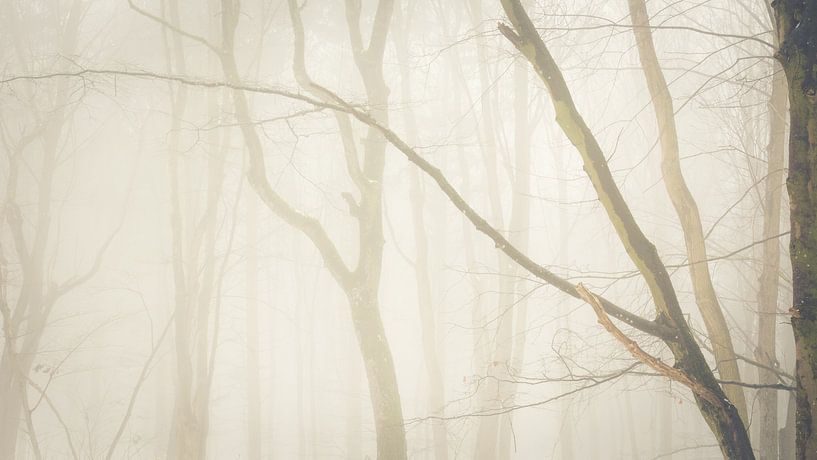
x,y
361,285
425,301
796,28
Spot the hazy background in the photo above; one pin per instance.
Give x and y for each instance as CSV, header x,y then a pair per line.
x,y
87,168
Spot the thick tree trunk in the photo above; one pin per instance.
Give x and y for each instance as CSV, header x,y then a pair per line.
x,y
253,372
797,29
567,415
35,299
519,236
495,389
425,301
194,271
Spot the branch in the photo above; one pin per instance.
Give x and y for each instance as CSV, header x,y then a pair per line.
x,y
257,174
164,23
142,377
305,82
304,222
753,38
646,358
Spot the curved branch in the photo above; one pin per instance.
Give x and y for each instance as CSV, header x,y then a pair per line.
x,y
318,235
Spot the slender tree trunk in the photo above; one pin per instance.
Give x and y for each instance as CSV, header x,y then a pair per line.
x,y
425,301
361,285
665,423
687,209
253,373
519,236
35,299
354,424
768,289
494,390
567,417
786,435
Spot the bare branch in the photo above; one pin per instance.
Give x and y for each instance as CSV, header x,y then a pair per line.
x,y
641,355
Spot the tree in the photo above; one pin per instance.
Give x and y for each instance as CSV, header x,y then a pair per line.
x,y
360,285
44,116
686,208
425,301
796,28
721,415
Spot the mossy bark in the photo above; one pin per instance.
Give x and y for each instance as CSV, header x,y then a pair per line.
x,y
797,34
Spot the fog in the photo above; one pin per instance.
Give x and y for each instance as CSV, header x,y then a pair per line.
x,y
355,229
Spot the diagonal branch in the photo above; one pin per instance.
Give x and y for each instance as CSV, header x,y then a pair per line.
x,y
257,174
641,355
305,82
312,227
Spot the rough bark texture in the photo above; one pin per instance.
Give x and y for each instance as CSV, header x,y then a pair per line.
x,y
797,29
723,419
686,208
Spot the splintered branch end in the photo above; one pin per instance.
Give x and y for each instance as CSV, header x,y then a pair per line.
x,y
509,33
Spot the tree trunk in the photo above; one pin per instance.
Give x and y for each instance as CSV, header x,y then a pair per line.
x,y
768,289
687,209
361,285
797,27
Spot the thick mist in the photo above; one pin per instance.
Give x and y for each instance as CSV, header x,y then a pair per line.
x,y
399,229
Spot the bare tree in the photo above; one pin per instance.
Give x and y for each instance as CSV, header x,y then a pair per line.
x,y
686,208
721,415
425,301
26,318
361,285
